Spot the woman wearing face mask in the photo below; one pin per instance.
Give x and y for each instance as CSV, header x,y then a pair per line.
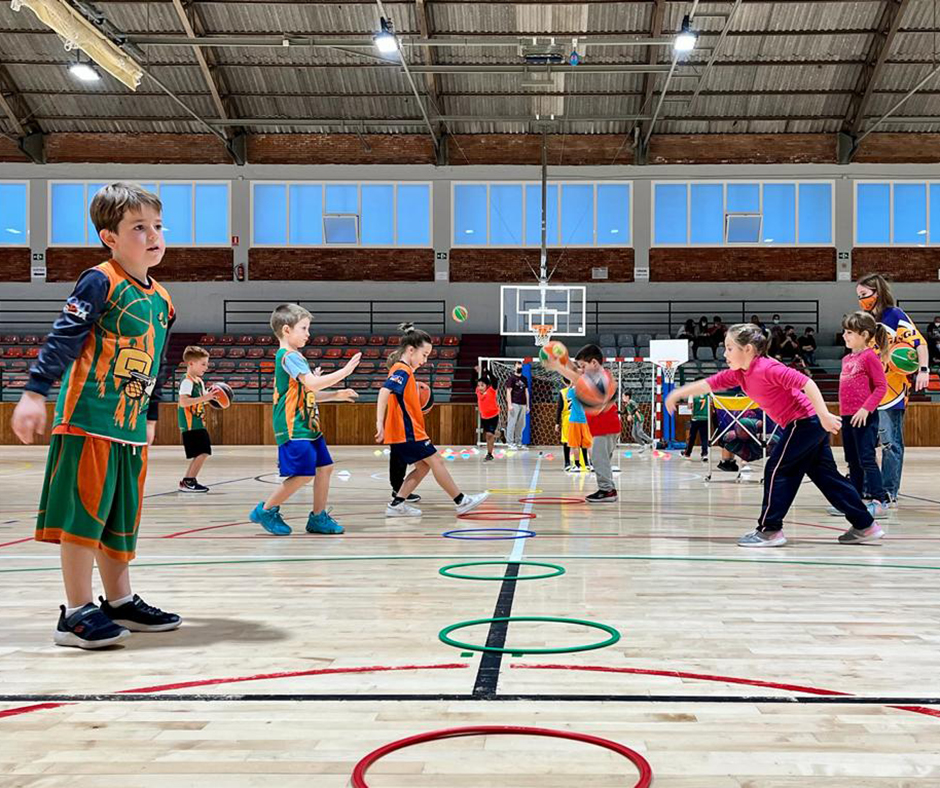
x,y
875,297
933,339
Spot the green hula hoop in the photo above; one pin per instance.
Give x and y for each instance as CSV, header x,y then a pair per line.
x,y
444,635
558,570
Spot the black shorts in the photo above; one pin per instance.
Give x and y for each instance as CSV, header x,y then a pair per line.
x,y
411,452
489,426
196,443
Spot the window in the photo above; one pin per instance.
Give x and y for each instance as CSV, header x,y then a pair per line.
x,y
897,213
344,214
14,210
194,213
716,213
510,214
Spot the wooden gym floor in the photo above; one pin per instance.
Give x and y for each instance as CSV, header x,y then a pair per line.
x,y
735,668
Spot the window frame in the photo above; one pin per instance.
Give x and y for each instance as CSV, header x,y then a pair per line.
x,y
890,183
323,213
560,184
761,182
26,234
90,243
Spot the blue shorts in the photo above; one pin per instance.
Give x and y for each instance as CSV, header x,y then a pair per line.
x,y
302,458
411,452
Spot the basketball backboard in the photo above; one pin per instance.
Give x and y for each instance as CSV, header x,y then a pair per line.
x,y
564,307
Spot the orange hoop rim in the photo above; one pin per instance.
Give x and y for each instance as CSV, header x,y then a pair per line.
x,y
542,332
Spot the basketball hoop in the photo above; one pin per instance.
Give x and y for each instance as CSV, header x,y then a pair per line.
x,y
543,333
669,369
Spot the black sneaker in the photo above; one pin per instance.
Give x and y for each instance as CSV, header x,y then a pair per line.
x,y
192,486
602,496
138,616
89,628
413,498
488,458
731,466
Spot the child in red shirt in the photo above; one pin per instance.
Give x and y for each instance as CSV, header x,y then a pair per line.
x,y
604,426
489,413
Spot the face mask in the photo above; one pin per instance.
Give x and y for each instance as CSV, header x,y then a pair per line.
x,y
868,303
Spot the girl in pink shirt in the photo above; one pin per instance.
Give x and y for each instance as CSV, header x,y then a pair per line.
x,y
795,403
862,385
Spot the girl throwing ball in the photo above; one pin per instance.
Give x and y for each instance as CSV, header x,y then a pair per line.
x,y
794,402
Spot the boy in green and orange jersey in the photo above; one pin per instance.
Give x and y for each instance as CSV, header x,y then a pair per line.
x,y
191,416
107,347
302,451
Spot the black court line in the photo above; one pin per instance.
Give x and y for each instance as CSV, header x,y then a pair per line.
x,y
839,700
917,498
488,674
214,484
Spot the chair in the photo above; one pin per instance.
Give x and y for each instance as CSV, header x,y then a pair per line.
x,y
609,352
30,339
265,339
451,341
313,352
207,339
607,340
333,352
449,353
442,383
372,352
248,366
255,352
226,339
235,352
216,352
224,366
270,352
376,339
339,339
393,340
320,339
246,339
358,340
627,352
349,352
626,340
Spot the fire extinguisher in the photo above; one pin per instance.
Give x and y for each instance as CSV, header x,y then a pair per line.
x,y
240,272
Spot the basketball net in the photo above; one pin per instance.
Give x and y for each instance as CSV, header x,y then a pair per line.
x,y
543,334
669,369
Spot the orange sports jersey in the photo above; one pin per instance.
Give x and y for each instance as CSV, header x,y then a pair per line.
x,y
404,420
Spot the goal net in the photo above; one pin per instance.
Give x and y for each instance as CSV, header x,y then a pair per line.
x,y
634,376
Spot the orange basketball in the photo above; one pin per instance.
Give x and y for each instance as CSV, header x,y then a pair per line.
x,y
223,394
425,396
555,351
595,390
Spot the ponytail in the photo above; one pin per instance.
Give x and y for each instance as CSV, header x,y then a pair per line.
x,y
744,334
412,337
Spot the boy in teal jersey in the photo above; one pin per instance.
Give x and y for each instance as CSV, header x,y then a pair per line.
x,y
302,451
107,347
698,426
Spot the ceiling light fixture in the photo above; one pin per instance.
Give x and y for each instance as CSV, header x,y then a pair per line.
x,y
385,40
685,41
85,72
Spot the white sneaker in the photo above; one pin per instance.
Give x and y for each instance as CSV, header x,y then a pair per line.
x,y
402,510
471,502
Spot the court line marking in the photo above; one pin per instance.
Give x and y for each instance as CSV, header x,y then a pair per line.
x,y
487,678
436,557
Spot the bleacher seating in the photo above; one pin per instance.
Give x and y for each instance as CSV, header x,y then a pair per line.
x,y
246,362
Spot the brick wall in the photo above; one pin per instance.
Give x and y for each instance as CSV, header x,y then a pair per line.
x,y
900,264
567,149
742,149
342,265
144,148
758,264
513,265
14,265
179,264
340,149
10,152
899,149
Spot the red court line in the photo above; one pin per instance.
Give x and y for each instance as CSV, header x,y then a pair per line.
x,y
256,677
720,679
18,541
204,528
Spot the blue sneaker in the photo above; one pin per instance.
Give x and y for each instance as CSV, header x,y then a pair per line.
x,y
322,523
269,519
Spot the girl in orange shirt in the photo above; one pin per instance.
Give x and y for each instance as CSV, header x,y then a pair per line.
x,y
399,423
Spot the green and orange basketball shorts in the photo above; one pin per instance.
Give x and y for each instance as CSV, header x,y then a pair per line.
x,y
92,494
